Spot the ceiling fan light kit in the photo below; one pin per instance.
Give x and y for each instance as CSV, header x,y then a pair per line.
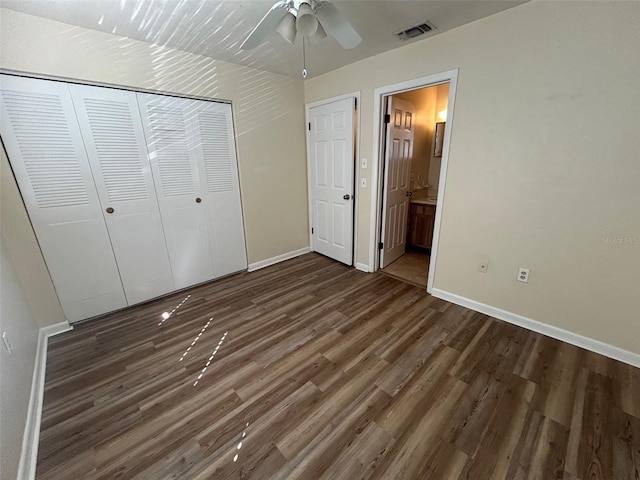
x,y
306,22
287,27
318,36
313,19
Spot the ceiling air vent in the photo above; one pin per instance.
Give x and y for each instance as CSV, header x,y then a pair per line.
x,y
415,31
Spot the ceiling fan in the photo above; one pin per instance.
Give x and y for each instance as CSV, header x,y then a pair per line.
x,y
312,19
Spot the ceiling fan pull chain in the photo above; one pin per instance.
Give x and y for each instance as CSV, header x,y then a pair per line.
x,y
304,60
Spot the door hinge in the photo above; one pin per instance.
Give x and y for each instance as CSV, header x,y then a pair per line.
x,y
380,245
309,126
312,230
356,104
387,118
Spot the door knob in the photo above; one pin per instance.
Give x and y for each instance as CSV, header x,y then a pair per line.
x,y
198,200
346,197
408,194
110,210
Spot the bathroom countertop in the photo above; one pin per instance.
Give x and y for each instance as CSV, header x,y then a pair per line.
x,y
421,197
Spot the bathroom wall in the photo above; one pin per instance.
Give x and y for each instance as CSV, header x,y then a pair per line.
x,y
442,99
425,100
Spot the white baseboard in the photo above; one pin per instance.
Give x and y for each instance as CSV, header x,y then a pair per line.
x,y
280,258
31,437
363,267
58,328
576,339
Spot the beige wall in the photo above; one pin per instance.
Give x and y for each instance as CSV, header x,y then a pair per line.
x,y
268,112
543,168
16,370
22,247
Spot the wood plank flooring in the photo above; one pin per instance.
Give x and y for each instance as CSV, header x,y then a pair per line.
x,y
312,370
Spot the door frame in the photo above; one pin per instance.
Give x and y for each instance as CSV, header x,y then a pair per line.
x,y
356,171
451,77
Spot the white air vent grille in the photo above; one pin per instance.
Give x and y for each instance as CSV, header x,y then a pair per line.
x,y
414,31
171,146
118,149
47,149
218,163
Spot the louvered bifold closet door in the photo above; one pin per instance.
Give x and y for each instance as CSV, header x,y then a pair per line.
x,y
112,131
178,186
41,135
212,127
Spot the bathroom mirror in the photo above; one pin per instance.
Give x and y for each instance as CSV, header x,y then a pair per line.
x,y
439,139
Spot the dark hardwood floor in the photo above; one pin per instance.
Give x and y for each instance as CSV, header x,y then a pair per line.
x,y
312,370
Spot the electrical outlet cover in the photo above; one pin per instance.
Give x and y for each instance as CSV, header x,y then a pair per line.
x,y
523,275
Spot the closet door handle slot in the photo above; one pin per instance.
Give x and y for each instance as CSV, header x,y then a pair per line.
x,y
110,210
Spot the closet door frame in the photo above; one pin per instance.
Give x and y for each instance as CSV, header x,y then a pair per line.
x,y
242,265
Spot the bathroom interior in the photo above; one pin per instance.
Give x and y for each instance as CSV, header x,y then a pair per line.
x,y
430,114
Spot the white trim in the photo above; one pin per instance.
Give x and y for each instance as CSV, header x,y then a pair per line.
x,y
277,259
356,166
576,339
31,437
57,329
363,267
451,77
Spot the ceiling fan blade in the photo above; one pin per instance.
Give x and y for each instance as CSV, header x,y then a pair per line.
x,y
266,25
337,26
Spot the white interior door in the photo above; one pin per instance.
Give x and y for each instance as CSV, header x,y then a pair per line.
x,y
397,177
113,136
178,186
212,127
41,135
331,163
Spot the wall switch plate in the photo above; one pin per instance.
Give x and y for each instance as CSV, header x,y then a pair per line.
x,y
7,343
363,183
364,163
523,275
483,266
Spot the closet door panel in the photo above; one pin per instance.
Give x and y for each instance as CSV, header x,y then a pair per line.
x,y
41,135
178,186
112,131
212,127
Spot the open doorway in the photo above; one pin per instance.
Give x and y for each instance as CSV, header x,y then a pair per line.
x,y
415,123
413,149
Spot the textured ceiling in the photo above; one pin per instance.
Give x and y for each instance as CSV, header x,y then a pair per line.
x,y
217,28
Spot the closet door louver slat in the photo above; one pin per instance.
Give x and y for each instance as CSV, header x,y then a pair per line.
x,y
117,149
44,140
169,139
216,151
